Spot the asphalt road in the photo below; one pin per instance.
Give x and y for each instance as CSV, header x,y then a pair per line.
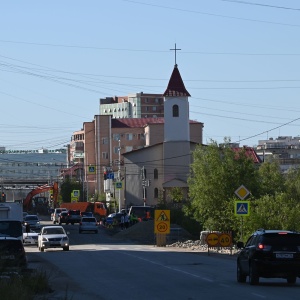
x,y
101,267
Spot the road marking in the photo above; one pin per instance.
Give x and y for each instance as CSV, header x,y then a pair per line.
x,y
168,267
258,295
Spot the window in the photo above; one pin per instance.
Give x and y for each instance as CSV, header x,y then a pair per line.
x,y
146,100
156,100
175,110
129,136
140,136
155,175
116,136
146,108
116,150
128,148
156,193
104,155
105,141
154,108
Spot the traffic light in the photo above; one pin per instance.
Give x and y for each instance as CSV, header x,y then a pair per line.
x,y
3,197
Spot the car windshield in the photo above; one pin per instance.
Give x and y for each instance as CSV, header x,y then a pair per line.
x,y
31,218
276,239
53,231
11,228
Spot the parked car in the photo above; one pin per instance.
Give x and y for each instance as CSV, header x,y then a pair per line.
x,y
30,238
55,214
12,254
62,217
73,217
53,237
33,221
88,224
269,254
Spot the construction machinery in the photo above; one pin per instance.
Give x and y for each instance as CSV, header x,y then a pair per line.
x,y
41,204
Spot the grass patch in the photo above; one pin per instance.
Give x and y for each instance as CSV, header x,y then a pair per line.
x,y
26,286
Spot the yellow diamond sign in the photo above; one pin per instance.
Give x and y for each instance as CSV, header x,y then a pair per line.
x,y
242,192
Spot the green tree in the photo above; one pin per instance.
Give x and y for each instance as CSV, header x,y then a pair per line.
x,y
67,187
176,194
273,212
271,179
292,183
216,172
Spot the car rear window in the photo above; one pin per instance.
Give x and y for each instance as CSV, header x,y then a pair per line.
x,y
74,212
88,219
275,239
11,246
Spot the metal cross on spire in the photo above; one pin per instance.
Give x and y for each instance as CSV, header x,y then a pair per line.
x,y
175,50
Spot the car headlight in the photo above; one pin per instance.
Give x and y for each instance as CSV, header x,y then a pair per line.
x,y
65,238
44,239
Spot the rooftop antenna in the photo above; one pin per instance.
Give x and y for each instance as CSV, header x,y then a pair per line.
x,y
175,50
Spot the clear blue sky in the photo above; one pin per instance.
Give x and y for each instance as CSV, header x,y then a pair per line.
x,y
240,62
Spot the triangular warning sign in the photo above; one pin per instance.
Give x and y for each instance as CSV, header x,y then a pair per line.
x,y
242,209
162,217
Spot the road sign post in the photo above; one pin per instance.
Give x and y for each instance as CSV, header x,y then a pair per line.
x,y
242,208
161,226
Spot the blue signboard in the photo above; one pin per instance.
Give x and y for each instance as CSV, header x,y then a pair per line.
x,y
242,208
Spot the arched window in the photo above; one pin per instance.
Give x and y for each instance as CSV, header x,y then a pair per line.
x,y
155,174
175,110
156,193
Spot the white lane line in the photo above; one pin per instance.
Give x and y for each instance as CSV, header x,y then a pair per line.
x,y
168,267
258,295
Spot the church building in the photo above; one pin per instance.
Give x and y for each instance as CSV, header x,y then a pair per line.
x,y
151,172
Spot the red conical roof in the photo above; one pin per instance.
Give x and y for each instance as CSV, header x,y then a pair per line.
x,y
176,86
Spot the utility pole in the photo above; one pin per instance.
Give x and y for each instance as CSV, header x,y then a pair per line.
x,y
119,174
144,184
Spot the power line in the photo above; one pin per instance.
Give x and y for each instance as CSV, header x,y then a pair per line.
x,y
263,5
211,14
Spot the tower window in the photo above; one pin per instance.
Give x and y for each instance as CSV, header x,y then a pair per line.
x,y
175,110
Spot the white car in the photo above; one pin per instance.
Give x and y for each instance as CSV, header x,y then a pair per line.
x,y
88,224
55,214
30,238
53,237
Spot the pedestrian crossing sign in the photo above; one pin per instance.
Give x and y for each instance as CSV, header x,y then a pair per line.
x,y
242,208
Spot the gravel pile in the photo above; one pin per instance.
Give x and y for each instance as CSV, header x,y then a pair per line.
x,y
198,246
143,232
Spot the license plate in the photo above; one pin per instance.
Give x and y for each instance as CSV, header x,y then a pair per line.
x,y
7,257
284,255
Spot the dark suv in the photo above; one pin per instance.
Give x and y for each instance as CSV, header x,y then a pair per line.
x,y
269,254
12,254
73,217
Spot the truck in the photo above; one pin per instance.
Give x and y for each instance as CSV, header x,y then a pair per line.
x,y
11,220
41,205
97,208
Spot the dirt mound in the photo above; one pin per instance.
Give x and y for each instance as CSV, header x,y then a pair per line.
x,y
143,232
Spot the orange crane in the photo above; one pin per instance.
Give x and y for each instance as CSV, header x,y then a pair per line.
x,y
41,189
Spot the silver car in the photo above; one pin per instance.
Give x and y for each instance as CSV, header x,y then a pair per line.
x,y
88,224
